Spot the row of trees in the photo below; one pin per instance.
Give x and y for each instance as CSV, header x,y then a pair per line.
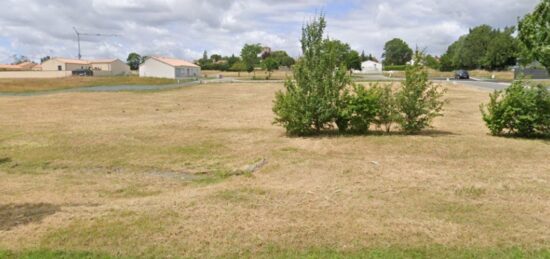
x,y
322,95
482,48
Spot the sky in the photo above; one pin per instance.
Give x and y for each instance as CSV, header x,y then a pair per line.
x,y
186,28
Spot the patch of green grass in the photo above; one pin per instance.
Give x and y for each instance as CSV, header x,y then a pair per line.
x,y
47,254
436,251
119,227
471,192
201,150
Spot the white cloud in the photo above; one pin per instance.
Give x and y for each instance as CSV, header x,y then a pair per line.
x,y
185,28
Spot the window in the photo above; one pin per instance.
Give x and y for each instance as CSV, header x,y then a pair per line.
x,y
59,68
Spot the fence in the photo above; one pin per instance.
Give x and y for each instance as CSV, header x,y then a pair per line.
x,y
35,74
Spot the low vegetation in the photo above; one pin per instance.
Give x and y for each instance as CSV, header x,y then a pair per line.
x,y
322,95
519,110
43,84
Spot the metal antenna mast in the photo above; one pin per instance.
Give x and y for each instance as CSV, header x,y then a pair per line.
x,y
78,34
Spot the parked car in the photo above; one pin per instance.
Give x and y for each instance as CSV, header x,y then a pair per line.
x,y
462,74
83,72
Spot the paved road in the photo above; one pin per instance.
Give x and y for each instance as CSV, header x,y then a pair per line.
x,y
491,85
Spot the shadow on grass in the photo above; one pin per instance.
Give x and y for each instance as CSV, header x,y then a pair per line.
x,y
13,215
4,160
542,137
334,133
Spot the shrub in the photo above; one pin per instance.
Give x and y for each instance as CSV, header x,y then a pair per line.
x,y
519,110
311,102
363,107
387,111
419,101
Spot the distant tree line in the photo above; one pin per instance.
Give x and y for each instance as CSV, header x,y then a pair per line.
x,y
482,48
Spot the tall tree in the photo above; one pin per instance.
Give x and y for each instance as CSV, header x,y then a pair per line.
x,y
44,59
270,64
353,60
396,53
282,58
238,67
249,55
18,59
502,50
134,60
344,54
534,33
215,57
483,47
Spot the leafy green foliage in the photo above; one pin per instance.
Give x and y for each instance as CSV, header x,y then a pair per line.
x,y
363,107
418,102
282,58
386,113
520,110
270,64
323,95
309,103
134,60
396,52
534,33
249,55
432,62
483,47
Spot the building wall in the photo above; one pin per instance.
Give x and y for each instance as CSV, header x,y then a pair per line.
x,y
71,67
155,68
185,72
52,65
101,66
120,68
35,74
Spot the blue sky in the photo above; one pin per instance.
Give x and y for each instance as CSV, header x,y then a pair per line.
x,y
185,28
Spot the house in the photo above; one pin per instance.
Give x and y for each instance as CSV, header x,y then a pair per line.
x,y
371,67
113,66
101,67
65,64
164,67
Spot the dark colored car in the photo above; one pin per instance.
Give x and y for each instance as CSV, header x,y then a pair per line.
x,y
83,72
462,74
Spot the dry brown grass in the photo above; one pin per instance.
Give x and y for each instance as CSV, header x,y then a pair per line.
x,y
260,75
113,163
41,84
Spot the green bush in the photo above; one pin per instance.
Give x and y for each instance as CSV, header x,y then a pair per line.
x,y
363,107
418,102
520,110
387,111
312,100
395,68
322,95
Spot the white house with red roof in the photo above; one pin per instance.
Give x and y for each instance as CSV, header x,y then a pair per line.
x,y
164,67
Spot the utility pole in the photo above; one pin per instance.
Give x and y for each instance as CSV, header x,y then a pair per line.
x,y
78,34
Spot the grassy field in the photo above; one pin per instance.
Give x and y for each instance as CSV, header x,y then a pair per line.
x,y
165,174
30,85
